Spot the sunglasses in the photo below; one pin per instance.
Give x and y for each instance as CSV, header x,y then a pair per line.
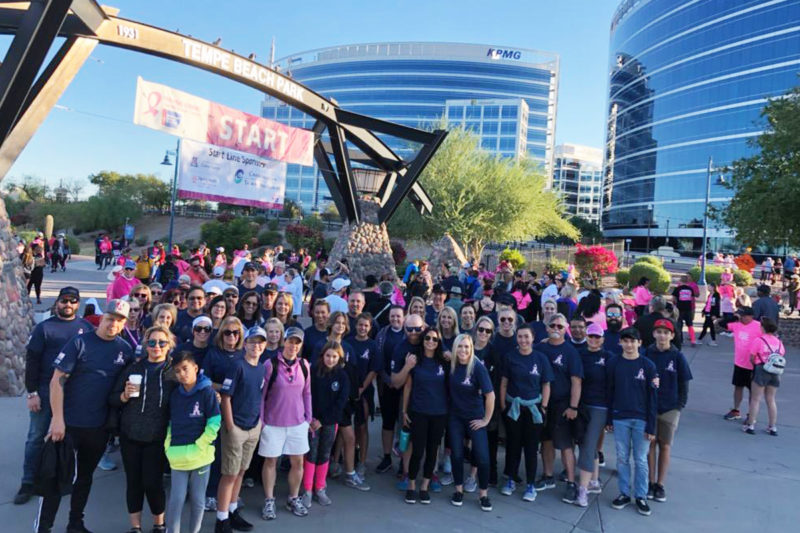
x,y
140,295
485,330
231,296
71,301
202,329
507,319
135,309
613,315
556,326
154,343
231,333
431,338
414,329
157,293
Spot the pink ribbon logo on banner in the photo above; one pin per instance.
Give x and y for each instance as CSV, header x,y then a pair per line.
x,y
153,101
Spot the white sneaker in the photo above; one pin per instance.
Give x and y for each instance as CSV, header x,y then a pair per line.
x,y
446,479
594,487
361,470
713,343
470,485
211,504
322,497
354,481
268,511
305,499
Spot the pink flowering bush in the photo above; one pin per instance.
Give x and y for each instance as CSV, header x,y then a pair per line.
x,y
595,260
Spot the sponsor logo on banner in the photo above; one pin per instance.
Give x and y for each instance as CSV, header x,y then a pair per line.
x,y
172,111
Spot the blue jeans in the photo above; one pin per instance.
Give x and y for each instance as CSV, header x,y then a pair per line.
x,y
458,428
37,429
629,436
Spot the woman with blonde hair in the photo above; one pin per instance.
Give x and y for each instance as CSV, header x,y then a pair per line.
x,y
471,407
447,324
283,309
164,315
416,306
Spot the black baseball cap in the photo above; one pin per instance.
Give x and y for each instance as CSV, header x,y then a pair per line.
x,y
69,292
270,287
745,311
630,333
438,289
250,266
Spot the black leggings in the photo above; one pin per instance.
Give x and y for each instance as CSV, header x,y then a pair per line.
x,y
708,325
35,281
522,434
426,434
144,474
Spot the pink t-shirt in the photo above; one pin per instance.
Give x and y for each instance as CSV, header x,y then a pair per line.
x,y
743,336
764,345
642,295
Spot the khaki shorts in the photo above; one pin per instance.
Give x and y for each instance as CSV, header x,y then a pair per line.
x,y
666,426
238,447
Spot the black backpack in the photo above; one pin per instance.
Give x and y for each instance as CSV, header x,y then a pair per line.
x,y
274,375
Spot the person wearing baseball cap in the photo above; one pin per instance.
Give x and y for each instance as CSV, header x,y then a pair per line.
x,y
632,417
123,284
743,331
438,296
202,331
268,298
248,281
337,298
594,398
84,374
241,427
673,393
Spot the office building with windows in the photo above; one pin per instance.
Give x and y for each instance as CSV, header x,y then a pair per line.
x,y
688,81
507,96
578,177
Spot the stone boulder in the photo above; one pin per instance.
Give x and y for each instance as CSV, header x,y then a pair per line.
x,y
365,246
16,313
446,250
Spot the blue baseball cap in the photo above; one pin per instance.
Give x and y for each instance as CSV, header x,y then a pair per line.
x,y
130,264
255,331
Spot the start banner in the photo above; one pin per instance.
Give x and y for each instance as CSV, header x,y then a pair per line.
x,y
212,173
172,111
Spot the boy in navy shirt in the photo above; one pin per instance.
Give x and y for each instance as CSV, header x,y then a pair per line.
x,y
368,362
241,428
632,417
673,393
85,372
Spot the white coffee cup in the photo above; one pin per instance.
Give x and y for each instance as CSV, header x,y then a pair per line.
x,y
135,379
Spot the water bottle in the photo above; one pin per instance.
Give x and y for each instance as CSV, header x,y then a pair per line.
x,y
405,436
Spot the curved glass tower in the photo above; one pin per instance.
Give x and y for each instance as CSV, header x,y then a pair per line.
x,y
505,95
688,81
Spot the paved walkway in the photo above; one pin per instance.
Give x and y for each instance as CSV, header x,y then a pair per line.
x,y
720,480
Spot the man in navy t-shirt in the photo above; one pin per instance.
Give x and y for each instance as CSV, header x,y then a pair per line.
x,y
44,345
85,372
614,325
388,338
318,330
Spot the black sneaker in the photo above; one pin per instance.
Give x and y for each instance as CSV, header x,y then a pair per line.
x,y
642,506
424,497
621,502
77,528
159,528
457,499
659,494
24,494
385,465
544,483
135,530
411,496
223,526
601,459
238,523
571,493
486,504
651,489
562,477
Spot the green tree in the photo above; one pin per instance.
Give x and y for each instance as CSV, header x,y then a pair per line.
x,y
145,190
230,233
291,209
479,198
766,186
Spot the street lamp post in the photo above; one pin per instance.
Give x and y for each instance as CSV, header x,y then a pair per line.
x,y
702,280
174,192
649,224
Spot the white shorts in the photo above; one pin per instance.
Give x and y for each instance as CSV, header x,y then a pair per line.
x,y
277,441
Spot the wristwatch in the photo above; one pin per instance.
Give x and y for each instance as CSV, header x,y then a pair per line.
x,y
573,408
32,394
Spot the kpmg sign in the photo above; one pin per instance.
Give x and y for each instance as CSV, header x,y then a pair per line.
x,y
497,53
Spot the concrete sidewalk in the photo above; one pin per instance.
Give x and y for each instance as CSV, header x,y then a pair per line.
x,y
720,480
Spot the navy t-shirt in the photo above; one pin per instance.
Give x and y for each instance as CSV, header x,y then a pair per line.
x,y
579,346
199,353
566,363
633,393
401,351
431,315
217,362
93,365
349,357
47,339
595,386
500,346
611,342
429,387
539,331
526,374
368,359
244,383
672,368
183,326
312,337
267,354
392,340
466,392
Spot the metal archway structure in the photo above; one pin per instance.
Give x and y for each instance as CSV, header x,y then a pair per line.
x,y
26,99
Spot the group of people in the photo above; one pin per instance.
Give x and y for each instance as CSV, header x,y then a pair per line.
x,y
38,254
215,382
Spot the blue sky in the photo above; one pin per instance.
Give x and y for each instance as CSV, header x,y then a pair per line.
x,y
92,129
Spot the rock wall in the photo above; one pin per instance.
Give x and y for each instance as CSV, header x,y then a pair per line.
x,y
16,313
446,250
365,246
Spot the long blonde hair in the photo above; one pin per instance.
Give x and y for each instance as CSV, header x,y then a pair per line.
x,y
452,313
464,337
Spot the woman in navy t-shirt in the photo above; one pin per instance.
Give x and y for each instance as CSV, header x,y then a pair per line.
x,y
524,396
425,410
471,408
447,324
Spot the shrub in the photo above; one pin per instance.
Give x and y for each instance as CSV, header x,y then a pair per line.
x,y
328,244
651,259
741,278
232,234
399,253
26,235
514,257
141,241
270,238
313,222
659,278
595,260
260,219
74,245
623,277
273,224
556,265
300,236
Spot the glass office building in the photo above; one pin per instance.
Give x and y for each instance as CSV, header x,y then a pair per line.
x,y
688,81
505,95
577,177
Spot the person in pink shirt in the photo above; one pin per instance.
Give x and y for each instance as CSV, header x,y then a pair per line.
x,y
764,384
642,296
122,286
744,331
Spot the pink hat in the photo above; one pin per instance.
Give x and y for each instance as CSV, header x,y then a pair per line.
x,y
594,329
